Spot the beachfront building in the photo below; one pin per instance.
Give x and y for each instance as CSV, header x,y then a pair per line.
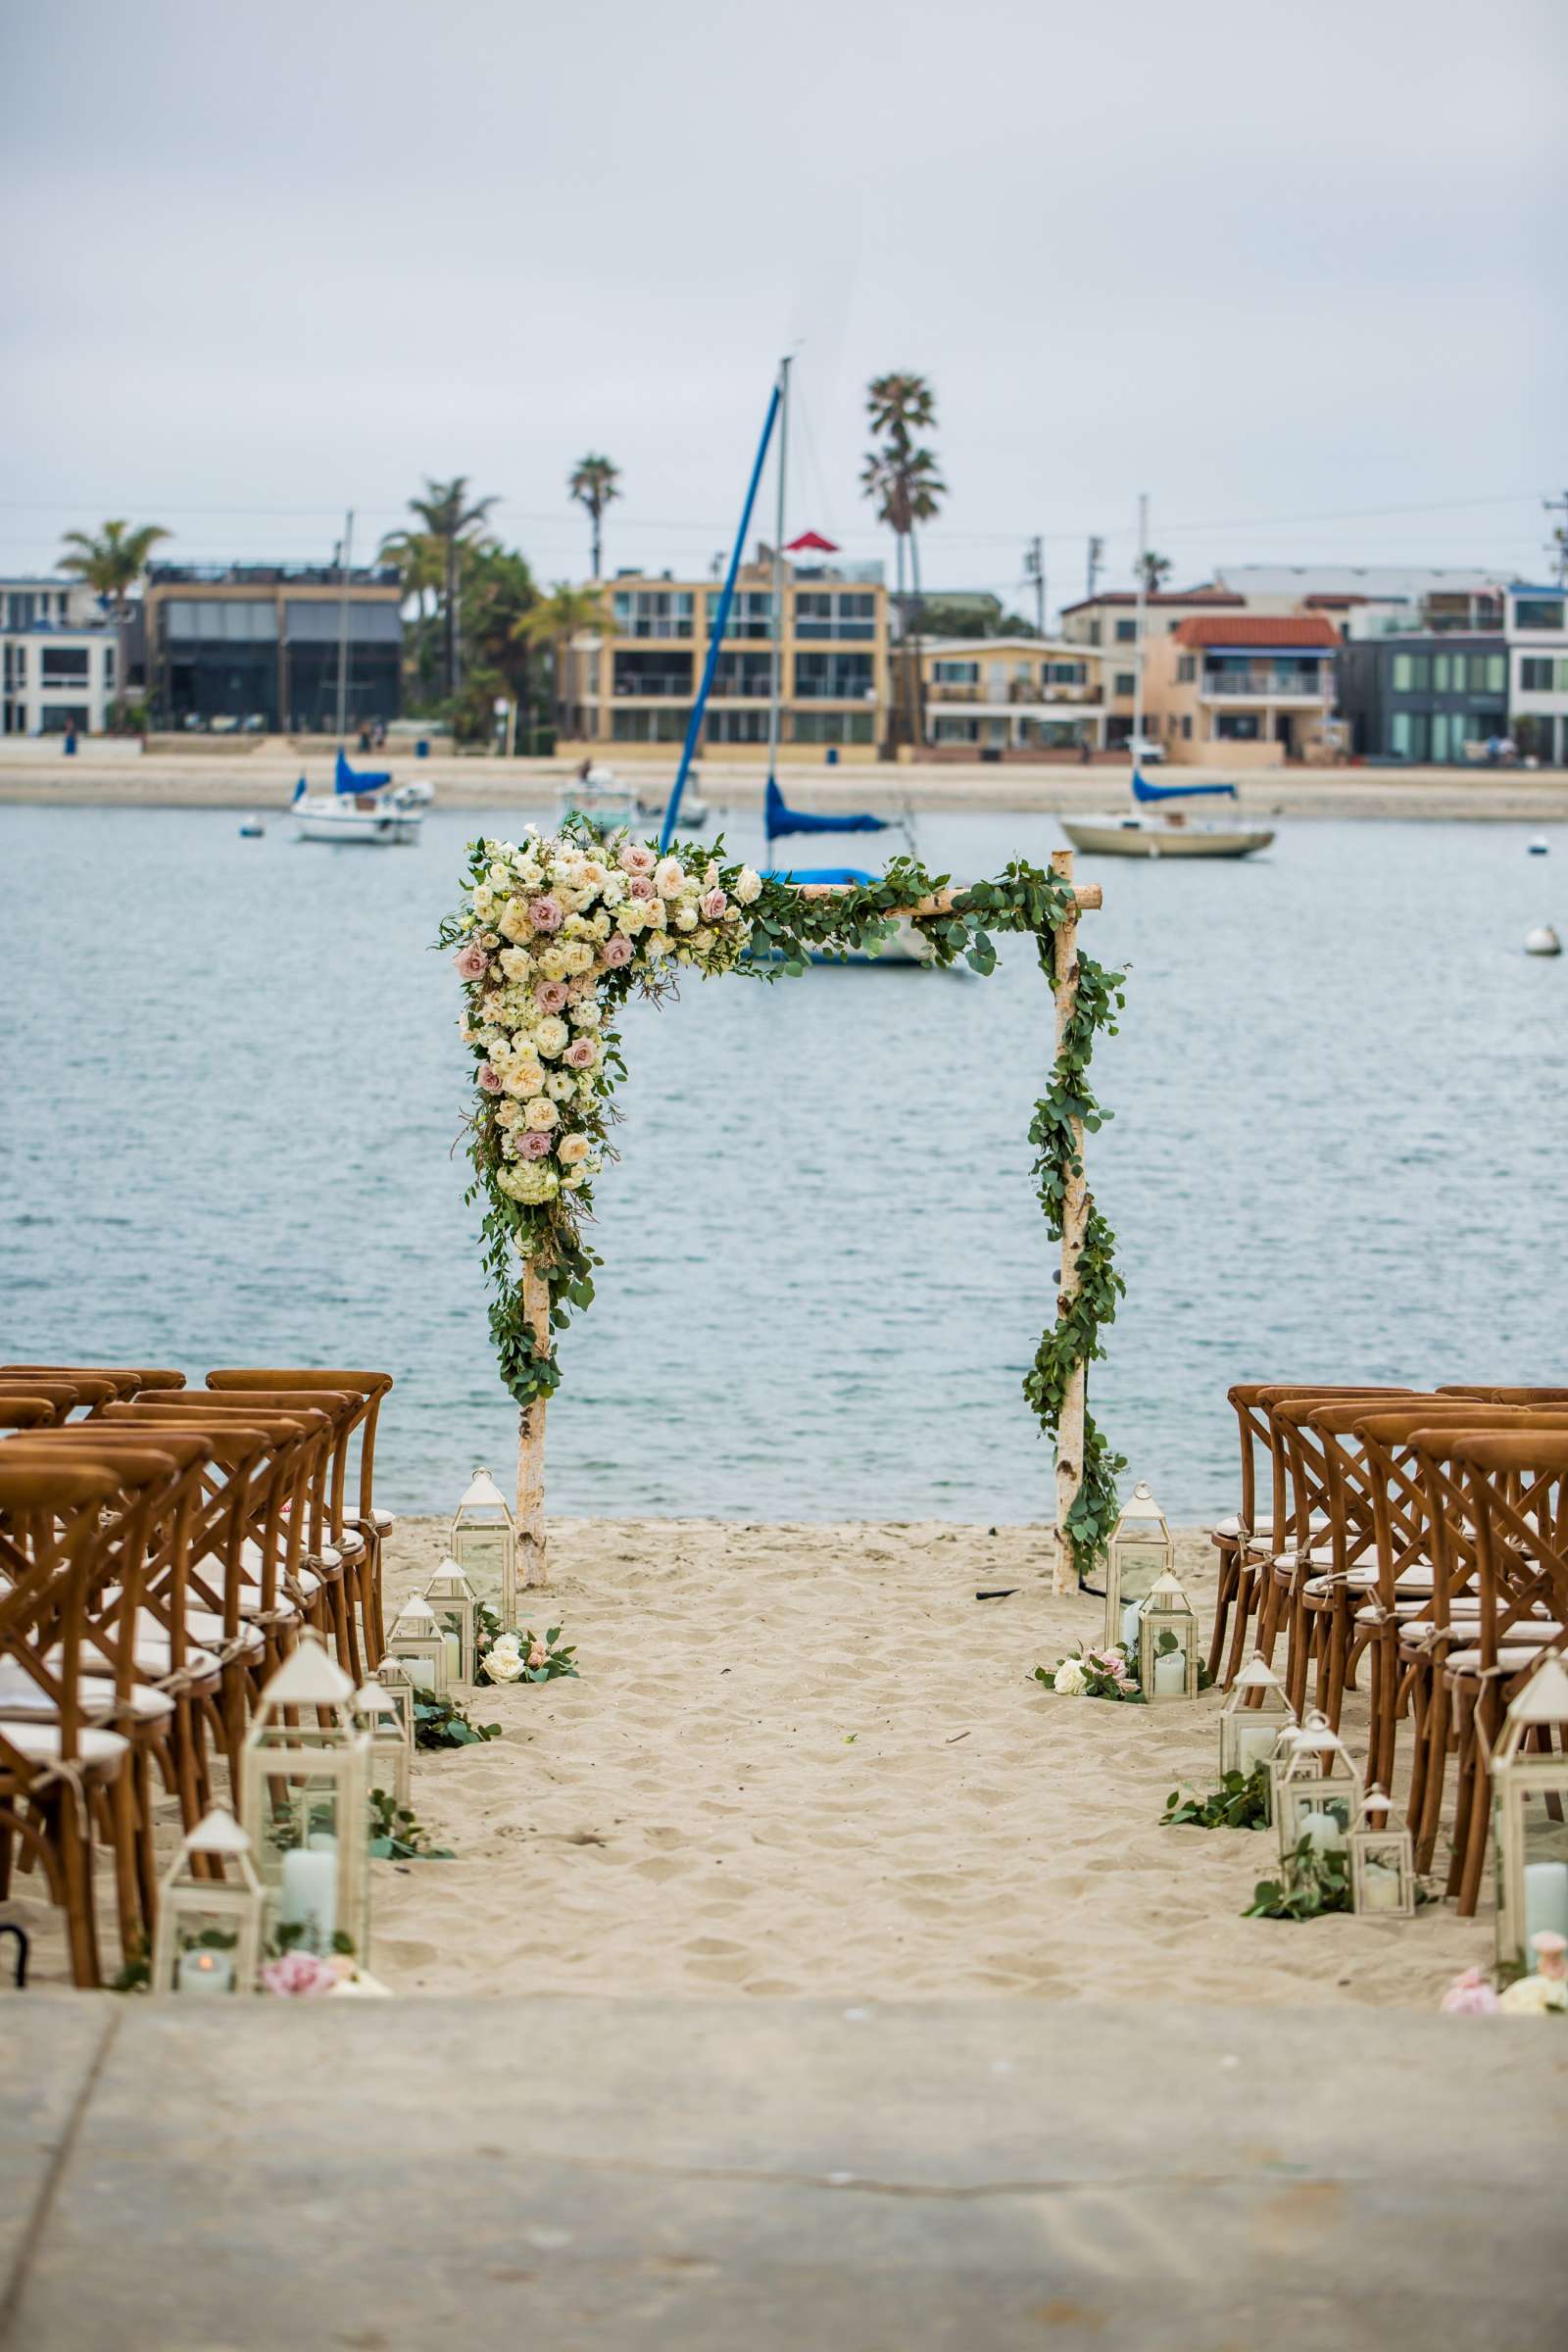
x,y
1242,689
1369,600
1538,671
997,697
635,680
1425,695
59,659
256,645
1108,621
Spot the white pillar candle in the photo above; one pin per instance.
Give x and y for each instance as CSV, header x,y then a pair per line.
x,y
309,1891
1254,1744
204,1971
422,1674
1129,1625
453,1642
1380,1887
1546,1904
1325,1833
1171,1674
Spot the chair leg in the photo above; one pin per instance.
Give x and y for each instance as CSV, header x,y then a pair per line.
x,y
1247,1602
1230,1554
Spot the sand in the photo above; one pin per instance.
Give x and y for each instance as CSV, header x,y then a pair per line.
x,y
810,1760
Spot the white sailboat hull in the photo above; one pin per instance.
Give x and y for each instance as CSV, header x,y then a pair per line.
x,y
1145,836
380,826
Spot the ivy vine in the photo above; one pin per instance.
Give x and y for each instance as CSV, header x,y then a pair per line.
x,y
789,930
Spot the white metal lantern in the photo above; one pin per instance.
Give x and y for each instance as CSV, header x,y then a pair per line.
x,y
1315,1795
398,1683
1530,1816
305,1785
1167,1643
209,1937
1249,1735
484,1546
1382,1862
455,1602
389,1751
1141,1550
418,1641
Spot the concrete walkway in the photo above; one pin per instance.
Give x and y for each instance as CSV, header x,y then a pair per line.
x,y
561,2176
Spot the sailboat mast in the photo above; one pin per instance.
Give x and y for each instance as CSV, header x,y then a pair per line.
x,y
1138,647
776,683
343,630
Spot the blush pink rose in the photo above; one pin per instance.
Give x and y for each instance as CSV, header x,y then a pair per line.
x,y
581,1055
550,994
1469,1995
617,950
635,860
582,986
712,906
472,963
537,1655
532,1144
640,886
298,1974
489,1078
545,913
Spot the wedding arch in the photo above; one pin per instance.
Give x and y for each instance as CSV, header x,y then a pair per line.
x,y
551,938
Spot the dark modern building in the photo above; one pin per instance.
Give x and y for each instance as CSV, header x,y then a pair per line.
x,y
1422,698
258,645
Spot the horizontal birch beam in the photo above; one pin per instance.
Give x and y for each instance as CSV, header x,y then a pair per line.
x,y
1088,896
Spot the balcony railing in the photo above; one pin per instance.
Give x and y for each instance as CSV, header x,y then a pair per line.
x,y
657,682
1011,690
1266,685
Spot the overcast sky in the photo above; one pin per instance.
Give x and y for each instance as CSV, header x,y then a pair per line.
x,y
1295,271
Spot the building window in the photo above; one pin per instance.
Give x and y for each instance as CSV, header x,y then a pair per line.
x,y
1066,674
846,726
653,673
1534,675
832,677
750,615
1439,675
745,671
1186,726
1538,612
737,726
1400,734
944,730
1497,673
647,727
1238,726
15,666
1186,669
1126,632
956,673
841,613
1126,683
64,664
224,621
652,611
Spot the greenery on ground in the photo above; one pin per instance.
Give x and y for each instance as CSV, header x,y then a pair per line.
x,y
396,1836
1240,1803
1314,1882
442,1720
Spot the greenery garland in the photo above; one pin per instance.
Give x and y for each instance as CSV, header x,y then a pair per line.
x,y
787,930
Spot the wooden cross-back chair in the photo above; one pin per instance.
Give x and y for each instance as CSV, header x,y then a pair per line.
x,y
356,1529
123,1380
1515,1484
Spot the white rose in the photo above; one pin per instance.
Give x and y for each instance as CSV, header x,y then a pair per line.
x,y
524,1077
516,962
1070,1680
503,1660
748,886
657,945
572,1150
551,1036
542,1114
669,877
560,1086
1533,1997
686,918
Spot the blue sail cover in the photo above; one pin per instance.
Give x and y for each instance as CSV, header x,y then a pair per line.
x,y
348,781
782,819
1178,791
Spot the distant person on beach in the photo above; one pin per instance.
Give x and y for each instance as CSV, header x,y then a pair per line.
x,y
71,740
1085,755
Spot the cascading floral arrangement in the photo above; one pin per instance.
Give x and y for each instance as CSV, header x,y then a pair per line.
x,y
552,936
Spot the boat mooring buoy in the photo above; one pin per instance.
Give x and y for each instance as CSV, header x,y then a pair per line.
x,y
1539,846
1543,941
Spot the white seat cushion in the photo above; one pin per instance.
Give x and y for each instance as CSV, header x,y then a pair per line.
x,y
1262,1529
1513,1658
20,1695
40,1743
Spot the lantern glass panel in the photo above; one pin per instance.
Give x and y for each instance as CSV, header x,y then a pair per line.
x,y
1167,1645
1383,1875
485,1555
419,1643
398,1683
1532,1855
305,1854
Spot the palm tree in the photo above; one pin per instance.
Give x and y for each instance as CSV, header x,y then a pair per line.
x,y
111,560
901,478
555,622
453,519
593,482
1157,570
421,562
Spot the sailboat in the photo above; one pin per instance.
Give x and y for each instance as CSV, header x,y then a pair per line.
x,y
1150,828
906,947
362,807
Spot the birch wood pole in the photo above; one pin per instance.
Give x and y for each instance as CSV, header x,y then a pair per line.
x,y
1074,1216
534,1563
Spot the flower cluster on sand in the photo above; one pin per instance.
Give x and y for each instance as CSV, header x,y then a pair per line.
x,y
557,932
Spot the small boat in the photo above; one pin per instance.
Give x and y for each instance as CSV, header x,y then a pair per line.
x,y
360,808
598,794
1543,941
1539,846
251,828
1142,831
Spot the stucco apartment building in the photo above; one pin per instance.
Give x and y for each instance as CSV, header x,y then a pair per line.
x,y
1242,689
1108,622
635,680
991,697
59,659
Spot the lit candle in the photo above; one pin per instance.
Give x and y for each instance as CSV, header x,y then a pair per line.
x,y
1324,1831
1546,1902
309,1890
1171,1674
1380,1887
204,1971
1254,1744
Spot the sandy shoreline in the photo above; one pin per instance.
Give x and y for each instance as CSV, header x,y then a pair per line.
x,y
808,1760
109,777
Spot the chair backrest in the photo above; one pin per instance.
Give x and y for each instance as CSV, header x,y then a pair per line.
x,y
126,1378
1250,1399
1516,1481
369,1387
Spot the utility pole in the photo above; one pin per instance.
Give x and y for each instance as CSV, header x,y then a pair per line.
x,y
1097,555
1142,590
347,554
1034,568
1557,544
